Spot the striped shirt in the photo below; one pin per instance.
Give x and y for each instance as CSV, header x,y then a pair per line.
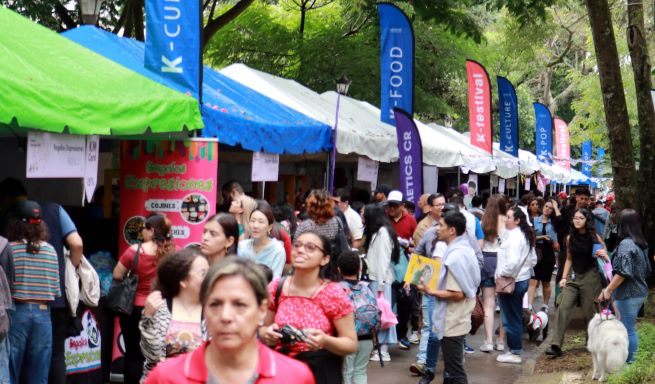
x,y
36,274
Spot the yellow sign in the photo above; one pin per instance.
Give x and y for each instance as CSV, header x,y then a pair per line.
x,y
423,270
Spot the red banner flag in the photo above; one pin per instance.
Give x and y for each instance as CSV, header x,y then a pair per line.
x,y
562,144
479,91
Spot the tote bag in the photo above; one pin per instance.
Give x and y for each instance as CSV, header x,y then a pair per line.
x,y
387,318
120,298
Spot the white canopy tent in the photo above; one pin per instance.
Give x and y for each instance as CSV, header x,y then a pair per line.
x,y
358,133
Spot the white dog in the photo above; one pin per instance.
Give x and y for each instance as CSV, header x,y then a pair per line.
x,y
608,344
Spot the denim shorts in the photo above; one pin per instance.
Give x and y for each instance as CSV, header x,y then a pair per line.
x,y
488,283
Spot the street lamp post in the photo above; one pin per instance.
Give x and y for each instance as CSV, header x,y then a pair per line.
x,y
342,89
90,11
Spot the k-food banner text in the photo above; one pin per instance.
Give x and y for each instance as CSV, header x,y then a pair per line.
x,y
586,157
410,151
396,62
562,144
479,92
544,133
173,42
509,117
175,178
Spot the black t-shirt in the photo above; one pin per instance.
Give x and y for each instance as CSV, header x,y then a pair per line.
x,y
581,248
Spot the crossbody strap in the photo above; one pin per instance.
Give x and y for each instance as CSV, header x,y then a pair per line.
x,y
523,263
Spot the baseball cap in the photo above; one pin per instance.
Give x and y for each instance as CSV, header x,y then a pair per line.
x,y
27,211
449,207
395,197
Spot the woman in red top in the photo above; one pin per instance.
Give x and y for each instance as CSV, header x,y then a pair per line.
x,y
157,242
235,300
317,308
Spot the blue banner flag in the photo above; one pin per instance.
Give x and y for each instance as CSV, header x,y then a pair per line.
x,y
509,117
410,151
396,62
173,42
544,133
586,158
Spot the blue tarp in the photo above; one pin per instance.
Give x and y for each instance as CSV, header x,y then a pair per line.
x,y
234,113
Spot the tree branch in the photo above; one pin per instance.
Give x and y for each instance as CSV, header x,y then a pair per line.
x,y
65,17
216,24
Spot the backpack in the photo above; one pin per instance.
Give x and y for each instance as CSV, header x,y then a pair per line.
x,y
367,313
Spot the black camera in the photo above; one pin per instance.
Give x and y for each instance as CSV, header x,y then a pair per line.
x,y
291,335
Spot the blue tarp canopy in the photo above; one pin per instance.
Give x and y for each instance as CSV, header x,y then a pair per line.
x,y
234,113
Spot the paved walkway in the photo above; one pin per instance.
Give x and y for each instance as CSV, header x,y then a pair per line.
x,y
481,367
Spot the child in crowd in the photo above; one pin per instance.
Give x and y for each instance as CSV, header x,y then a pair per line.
x,y
367,317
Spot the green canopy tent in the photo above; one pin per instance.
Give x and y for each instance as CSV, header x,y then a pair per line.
x,y
50,83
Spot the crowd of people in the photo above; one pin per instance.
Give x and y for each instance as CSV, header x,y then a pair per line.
x,y
274,292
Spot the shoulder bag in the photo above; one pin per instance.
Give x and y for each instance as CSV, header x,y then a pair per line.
x,y
505,284
120,298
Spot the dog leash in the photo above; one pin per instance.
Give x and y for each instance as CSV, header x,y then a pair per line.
x,y
605,312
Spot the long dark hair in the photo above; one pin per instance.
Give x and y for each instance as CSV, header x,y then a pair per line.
x,y
32,233
496,206
528,233
374,219
630,226
590,227
230,228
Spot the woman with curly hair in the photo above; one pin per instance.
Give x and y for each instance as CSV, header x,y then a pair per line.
x,y
157,243
171,322
321,218
583,285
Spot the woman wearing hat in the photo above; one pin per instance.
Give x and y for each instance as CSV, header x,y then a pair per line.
x,y
36,284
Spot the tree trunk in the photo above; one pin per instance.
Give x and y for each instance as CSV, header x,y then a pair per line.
x,y
214,25
616,110
641,69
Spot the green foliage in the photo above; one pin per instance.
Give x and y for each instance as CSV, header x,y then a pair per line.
x,y
642,371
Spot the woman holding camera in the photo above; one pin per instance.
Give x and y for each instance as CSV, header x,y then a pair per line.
x,y
310,318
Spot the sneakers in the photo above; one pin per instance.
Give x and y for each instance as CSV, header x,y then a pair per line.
x,y
487,347
509,358
468,349
413,338
554,350
403,343
417,369
385,356
499,347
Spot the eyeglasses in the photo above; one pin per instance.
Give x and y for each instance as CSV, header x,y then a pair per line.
x,y
439,205
310,247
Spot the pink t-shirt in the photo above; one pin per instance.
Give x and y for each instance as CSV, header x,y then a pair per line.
x,y
318,312
146,270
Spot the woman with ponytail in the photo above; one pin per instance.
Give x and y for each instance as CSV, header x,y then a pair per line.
x,y
157,243
516,257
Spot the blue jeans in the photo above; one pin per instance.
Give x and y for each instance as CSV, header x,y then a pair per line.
x,y
427,306
628,310
4,361
511,315
30,341
434,344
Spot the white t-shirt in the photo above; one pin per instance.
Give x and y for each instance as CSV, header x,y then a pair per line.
x,y
439,249
354,223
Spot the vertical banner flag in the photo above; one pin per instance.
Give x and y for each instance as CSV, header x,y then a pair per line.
x,y
176,178
396,62
173,42
600,153
562,144
411,156
479,91
509,117
544,133
586,157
